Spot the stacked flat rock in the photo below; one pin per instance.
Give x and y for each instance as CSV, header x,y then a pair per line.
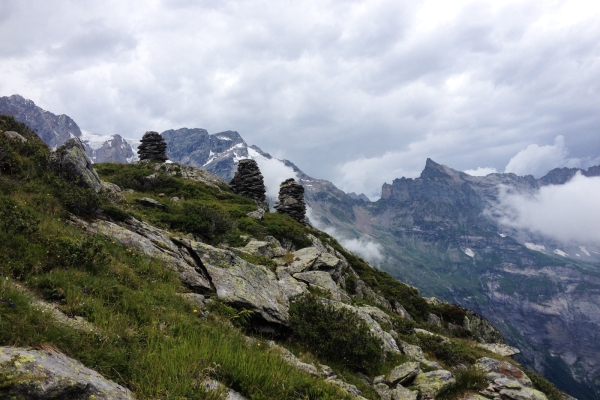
x,y
291,200
248,182
153,147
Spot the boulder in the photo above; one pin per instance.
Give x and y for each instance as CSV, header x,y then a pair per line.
x,y
500,349
290,287
14,136
249,182
401,393
216,386
243,284
348,388
148,202
291,200
156,243
320,280
403,374
383,391
389,344
41,374
495,368
71,161
412,351
304,259
431,383
263,248
153,147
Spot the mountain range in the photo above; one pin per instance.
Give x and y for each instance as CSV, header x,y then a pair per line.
x,y
437,232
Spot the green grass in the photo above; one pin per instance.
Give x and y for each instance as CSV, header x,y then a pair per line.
x,y
147,337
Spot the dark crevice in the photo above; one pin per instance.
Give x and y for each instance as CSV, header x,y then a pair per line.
x,y
199,265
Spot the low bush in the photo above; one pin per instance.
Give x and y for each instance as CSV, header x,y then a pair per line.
x,y
469,380
334,334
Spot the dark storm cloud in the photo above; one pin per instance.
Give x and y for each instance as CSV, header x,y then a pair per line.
x,y
358,92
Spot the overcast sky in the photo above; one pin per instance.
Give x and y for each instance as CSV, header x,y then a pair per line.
x,y
357,92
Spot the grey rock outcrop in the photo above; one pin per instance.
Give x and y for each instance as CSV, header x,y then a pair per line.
x,y
291,200
431,383
40,374
152,147
71,161
403,373
249,182
15,136
507,381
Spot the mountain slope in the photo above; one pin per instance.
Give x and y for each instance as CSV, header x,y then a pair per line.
x,y
171,297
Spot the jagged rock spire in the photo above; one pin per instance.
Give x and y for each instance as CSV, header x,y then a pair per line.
x,y
249,182
153,147
291,200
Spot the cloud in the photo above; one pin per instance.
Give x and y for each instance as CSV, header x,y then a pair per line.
x,y
481,171
538,160
567,213
363,246
274,172
334,86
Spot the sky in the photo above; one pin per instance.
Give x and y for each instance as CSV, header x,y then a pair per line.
x,y
356,92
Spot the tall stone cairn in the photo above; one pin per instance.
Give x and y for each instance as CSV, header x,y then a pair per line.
x,y
249,182
153,147
291,200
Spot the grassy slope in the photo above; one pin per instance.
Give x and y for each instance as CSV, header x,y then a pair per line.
x,y
147,337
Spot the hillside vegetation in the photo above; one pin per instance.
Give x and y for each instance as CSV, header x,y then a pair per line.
x,y
127,315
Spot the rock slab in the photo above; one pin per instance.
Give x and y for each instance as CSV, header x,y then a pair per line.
x,y
40,374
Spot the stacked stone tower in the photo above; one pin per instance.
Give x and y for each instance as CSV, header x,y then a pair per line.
x,y
291,200
249,182
153,147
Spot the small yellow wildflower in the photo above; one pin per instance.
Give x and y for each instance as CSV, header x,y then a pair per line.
x,y
195,310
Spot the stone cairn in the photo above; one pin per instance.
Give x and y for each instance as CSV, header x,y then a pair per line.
x,y
291,200
153,147
248,182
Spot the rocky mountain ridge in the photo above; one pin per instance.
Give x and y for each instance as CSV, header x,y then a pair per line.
x,y
55,130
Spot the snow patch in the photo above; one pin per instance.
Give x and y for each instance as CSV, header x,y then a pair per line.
x,y
95,140
536,247
584,250
560,252
223,138
502,235
469,252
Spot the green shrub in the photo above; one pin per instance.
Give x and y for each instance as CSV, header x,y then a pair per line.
x,y
447,352
545,387
115,212
285,228
469,380
16,220
338,335
78,200
87,253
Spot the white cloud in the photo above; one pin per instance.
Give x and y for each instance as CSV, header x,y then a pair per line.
x,y
274,172
363,246
481,171
538,160
569,213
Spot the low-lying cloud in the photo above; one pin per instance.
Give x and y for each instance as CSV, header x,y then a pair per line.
x,y
362,246
567,213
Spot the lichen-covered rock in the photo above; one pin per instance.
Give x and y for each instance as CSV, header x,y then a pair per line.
x,y
389,344
412,350
15,136
431,383
152,147
291,200
378,315
40,374
71,161
263,248
289,285
383,391
401,393
522,394
348,388
403,374
495,368
500,349
304,259
216,386
155,243
320,280
249,182
243,284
